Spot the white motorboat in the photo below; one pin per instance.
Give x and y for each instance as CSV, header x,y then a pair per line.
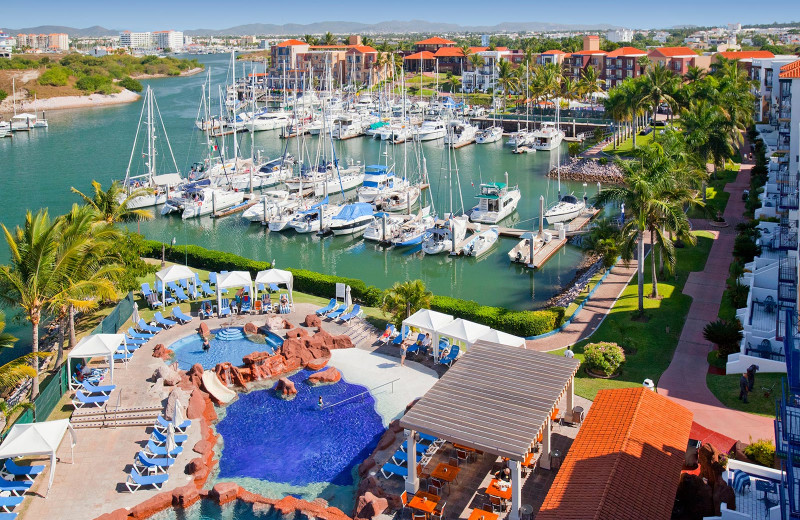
x,y
523,148
440,237
480,243
345,179
402,134
378,179
496,201
412,232
565,209
401,198
521,253
265,121
203,201
431,130
23,122
347,127
5,129
352,219
280,220
270,203
373,128
383,227
548,137
460,133
489,135
519,138
309,221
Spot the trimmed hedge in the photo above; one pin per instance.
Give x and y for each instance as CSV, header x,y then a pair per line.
x,y
521,323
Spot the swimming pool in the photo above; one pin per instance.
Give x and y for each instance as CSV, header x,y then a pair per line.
x,y
294,447
208,510
228,344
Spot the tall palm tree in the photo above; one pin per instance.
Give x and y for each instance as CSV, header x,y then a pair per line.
x,y
590,83
466,52
19,369
310,39
112,205
404,299
506,78
615,107
633,94
329,39
477,61
694,73
659,86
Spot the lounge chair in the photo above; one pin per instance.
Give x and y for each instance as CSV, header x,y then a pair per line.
x,y
81,399
10,470
421,448
451,356
400,457
180,316
346,317
163,321
190,289
173,286
387,334
146,289
9,502
430,439
153,301
137,480
159,438
390,469
139,335
205,289
328,308
206,310
416,346
212,278
154,450
94,389
162,424
15,487
152,463
180,295
142,325
135,342
197,279
398,340
225,309
123,355
246,305
338,312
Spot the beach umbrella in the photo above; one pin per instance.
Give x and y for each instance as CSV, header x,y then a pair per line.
x,y
171,439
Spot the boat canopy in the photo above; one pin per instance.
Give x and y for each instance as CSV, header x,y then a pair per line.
x,y
315,207
24,117
491,190
167,179
354,211
376,169
572,199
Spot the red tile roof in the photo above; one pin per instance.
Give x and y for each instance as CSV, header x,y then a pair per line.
x,y
435,41
425,55
362,48
723,443
289,43
743,55
673,52
626,51
443,52
625,462
791,70
588,53
483,49
554,51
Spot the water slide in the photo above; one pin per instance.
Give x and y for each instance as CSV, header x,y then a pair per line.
x,y
218,391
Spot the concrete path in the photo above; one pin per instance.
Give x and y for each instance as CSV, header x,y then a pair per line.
x,y
684,381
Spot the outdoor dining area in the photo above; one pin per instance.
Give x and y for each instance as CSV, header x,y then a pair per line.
x,y
482,430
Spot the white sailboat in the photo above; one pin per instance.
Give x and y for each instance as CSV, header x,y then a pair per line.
x,y
567,208
441,238
460,133
383,227
378,179
309,221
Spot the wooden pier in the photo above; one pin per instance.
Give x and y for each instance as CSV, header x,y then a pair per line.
x,y
548,249
236,209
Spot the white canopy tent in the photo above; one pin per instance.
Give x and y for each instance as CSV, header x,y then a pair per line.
x,y
175,273
278,277
463,331
36,439
232,280
97,345
428,321
495,336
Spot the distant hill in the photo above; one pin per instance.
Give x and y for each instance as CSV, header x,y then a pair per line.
x,y
95,30
391,26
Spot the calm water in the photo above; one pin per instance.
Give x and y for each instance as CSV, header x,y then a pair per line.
x,y
189,350
38,169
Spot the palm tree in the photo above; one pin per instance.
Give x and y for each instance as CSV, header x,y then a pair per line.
x,y
16,370
329,39
506,78
694,74
709,133
615,107
466,52
477,61
309,39
112,205
632,92
604,240
404,299
590,83
659,87
451,80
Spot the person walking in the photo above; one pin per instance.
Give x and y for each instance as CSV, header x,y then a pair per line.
x,y
751,377
743,386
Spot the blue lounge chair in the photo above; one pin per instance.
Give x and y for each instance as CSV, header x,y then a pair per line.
x,y
390,469
123,356
451,356
421,448
400,457
430,439
197,280
386,337
225,310
273,287
146,289
206,290
328,308
15,487
338,312
9,502
178,314
81,399
94,389
163,321
163,424
10,470
160,438
191,290
137,480
180,295
152,463
172,286
153,450
135,342
247,305
346,317
138,335
142,325
416,347
398,340
206,310
212,278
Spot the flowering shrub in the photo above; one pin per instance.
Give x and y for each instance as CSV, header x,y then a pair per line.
x,y
603,357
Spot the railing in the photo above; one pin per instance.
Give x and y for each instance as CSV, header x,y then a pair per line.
x,y
787,292
392,382
117,317
764,353
787,270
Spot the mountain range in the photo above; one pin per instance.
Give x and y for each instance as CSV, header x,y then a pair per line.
x,y
336,27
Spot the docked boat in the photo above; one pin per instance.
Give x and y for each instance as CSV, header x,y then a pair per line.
x,y
548,137
374,127
197,202
480,243
5,129
521,253
496,201
565,209
412,232
401,198
460,133
440,237
265,121
519,138
268,205
282,217
347,127
378,179
23,122
523,148
431,130
489,135
309,221
328,178
352,219
383,227
402,134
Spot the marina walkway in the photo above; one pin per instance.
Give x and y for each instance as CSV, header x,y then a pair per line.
x,y
685,379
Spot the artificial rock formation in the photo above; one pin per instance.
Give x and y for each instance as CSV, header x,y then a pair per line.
x,y
169,376
370,506
227,372
312,320
275,322
297,333
162,352
250,329
325,377
286,388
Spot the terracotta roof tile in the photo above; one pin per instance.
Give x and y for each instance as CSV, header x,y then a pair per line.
x,y
425,55
626,51
791,70
554,51
443,52
743,55
625,462
587,53
435,41
673,52
289,43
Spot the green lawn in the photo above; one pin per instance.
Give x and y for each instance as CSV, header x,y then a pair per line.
x,y
716,196
726,389
627,146
649,344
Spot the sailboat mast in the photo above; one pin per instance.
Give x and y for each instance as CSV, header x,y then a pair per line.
x,y
235,102
151,135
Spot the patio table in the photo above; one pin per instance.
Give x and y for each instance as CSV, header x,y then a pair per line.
x,y
480,514
425,502
445,472
494,490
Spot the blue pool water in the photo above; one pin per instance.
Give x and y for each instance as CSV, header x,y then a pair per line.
x,y
208,510
294,442
189,350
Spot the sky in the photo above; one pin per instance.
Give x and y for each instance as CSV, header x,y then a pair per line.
x,y
142,15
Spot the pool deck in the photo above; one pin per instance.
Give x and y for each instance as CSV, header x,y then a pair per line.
x,y
92,484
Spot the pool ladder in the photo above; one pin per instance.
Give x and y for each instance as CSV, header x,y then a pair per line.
x,y
392,382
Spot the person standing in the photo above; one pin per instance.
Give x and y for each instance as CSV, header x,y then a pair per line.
x,y
751,377
743,386
403,350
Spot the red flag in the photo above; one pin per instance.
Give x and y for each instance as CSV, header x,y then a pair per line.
x,y
215,148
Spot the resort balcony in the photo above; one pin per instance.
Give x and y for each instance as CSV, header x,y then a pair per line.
x,y
787,270
752,504
787,236
787,292
789,202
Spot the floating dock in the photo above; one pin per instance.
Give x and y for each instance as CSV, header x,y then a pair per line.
x,y
548,249
235,209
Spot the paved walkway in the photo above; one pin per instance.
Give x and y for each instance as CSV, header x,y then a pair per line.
x,y
684,381
596,150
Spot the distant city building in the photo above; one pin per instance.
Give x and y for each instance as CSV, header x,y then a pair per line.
x,y
173,40
619,35
734,27
661,36
187,40
263,44
44,42
485,40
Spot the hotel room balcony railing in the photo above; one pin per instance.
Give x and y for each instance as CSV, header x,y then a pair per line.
x,y
787,270
789,201
780,324
787,292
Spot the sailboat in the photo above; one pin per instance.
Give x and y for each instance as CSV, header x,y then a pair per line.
x,y
352,219
494,133
383,227
441,237
567,207
153,188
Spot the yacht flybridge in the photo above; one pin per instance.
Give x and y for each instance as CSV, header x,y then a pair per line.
x,y
496,201
548,137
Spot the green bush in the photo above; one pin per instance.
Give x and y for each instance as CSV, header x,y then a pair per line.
x,y
521,323
726,335
55,77
3,94
603,161
761,452
603,357
745,248
95,83
131,84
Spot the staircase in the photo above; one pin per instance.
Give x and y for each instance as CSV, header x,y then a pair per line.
x,y
229,334
361,332
113,417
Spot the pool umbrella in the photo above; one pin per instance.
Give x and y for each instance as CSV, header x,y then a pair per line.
x,y
177,416
348,300
135,312
171,439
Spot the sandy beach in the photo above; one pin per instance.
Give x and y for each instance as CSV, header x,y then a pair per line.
x,y
63,102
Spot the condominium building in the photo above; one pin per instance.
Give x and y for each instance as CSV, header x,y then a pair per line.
x,y
136,40
679,59
621,64
152,40
483,77
619,35
58,42
168,40
590,56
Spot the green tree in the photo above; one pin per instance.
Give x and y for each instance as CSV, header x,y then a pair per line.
x,y
404,299
466,52
506,78
112,204
310,39
659,86
329,39
590,83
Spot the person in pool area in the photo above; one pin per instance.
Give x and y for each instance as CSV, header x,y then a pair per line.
x,y
206,344
321,403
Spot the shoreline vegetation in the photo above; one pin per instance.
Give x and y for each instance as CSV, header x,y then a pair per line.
x,y
77,81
